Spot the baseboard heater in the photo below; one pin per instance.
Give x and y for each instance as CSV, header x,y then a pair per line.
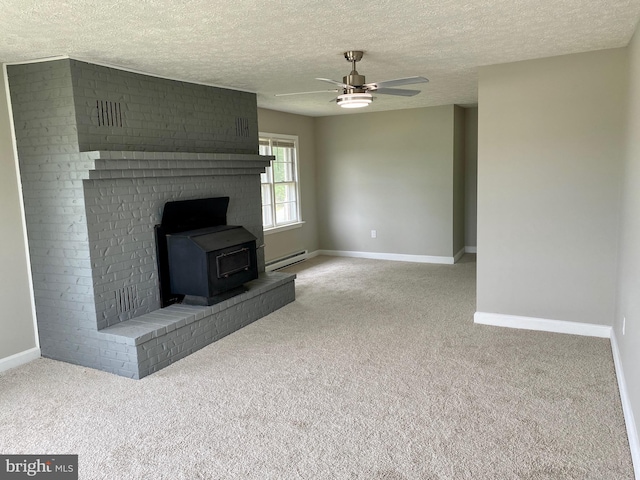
x,y
286,261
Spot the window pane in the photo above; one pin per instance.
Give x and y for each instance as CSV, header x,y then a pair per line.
x,y
283,154
286,213
278,171
282,172
267,216
287,155
266,176
285,192
266,195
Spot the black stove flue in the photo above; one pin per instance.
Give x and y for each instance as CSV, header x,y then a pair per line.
x,y
201,259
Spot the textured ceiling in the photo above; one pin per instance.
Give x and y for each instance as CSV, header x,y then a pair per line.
x,y
270,47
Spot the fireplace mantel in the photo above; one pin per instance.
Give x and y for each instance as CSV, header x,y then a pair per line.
x,y
134,164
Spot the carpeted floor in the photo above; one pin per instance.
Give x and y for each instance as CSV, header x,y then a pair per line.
x,y
375,372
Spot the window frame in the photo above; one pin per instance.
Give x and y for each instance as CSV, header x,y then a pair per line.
x,y
271,137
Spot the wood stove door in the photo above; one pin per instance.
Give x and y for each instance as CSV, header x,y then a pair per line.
x,y
232,262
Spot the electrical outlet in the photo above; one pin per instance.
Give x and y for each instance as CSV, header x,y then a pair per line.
x,y
624,324
374,234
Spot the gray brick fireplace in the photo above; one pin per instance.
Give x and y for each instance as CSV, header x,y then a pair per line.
x,y
101,151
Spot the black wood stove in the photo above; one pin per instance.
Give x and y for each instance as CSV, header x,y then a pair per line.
x,y
201,259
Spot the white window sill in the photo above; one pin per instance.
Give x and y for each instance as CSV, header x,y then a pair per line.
x,y
284,228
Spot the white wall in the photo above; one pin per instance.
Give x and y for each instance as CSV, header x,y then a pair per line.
x,y
628,304
17,331
284,243
550,146
391,172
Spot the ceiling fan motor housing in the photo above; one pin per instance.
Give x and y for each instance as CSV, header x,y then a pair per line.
x,y
354,79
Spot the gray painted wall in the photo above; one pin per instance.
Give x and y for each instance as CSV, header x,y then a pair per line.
x,y
16,319
458,178
156,114
278,245
52,170
471,176
628,304
550,145
386,171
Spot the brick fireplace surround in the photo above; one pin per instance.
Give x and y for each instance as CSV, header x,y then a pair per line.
x,y
101,151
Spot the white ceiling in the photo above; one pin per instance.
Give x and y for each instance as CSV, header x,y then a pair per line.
x,y
270,47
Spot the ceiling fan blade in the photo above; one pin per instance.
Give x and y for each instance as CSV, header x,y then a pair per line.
x,y
396,91
340,84
396,83
304,93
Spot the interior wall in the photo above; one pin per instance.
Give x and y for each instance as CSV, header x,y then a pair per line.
x,y
628,304
471,176
305,237
16,320
549,170
458,178
386,171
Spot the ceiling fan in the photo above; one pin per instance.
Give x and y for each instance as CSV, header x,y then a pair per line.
x,y
355,93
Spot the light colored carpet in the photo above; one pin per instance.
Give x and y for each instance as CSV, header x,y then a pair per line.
x,y
375,372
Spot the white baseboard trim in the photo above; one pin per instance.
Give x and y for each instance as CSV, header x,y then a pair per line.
x,y
542,324
458,255
398,257
470,249
629,420
19,359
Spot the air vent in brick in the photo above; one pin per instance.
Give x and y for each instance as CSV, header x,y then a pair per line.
x,y
127,298
109,113
242,127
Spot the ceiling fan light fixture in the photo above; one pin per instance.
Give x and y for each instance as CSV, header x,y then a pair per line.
x,y
354,100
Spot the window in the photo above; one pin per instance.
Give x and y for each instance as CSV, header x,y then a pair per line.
x,y
280,192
